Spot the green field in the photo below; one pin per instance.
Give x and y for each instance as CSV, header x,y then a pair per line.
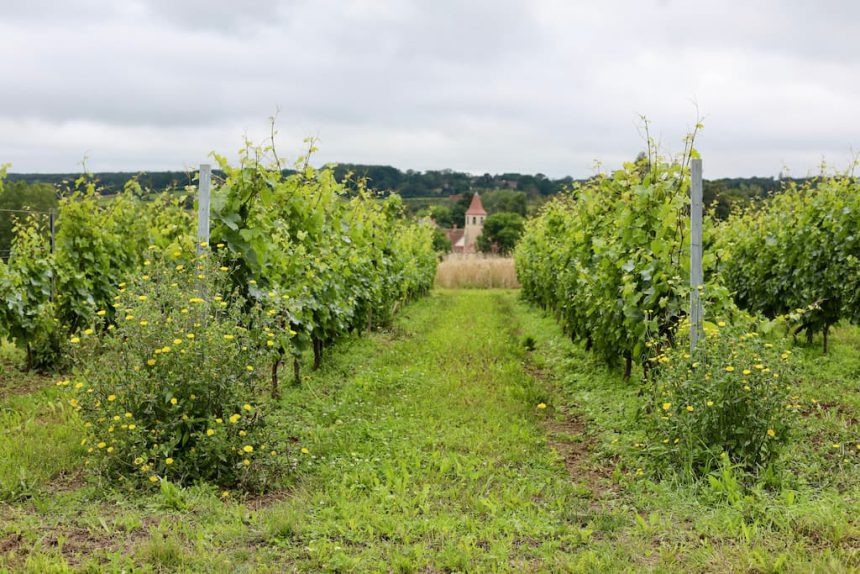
x,y
426,452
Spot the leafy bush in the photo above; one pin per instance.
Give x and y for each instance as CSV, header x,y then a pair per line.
x,y
169,390
611,260
345,259
99,242
26,311
733,396
798,255
501,232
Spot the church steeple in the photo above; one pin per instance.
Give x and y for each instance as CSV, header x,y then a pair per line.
x,y
474,223
476,209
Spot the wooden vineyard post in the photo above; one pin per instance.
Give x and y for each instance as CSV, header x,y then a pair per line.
x,y
203,192
696,274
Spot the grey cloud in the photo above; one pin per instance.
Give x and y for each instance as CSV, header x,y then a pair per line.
x,y
545,85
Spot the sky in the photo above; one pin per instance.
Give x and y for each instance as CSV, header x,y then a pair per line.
x,y
532,86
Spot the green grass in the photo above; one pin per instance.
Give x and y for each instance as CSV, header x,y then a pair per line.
x,y
427,453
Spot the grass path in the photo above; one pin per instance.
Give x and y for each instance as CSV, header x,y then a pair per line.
x,y
432,456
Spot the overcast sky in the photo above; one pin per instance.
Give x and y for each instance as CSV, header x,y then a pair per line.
x,y
544,86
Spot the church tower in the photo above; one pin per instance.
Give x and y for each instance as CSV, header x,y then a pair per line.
x,y
474,224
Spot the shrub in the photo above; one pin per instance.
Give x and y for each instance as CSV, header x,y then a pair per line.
x,y
26,310
611,260
733,396
169,390
798,255
501,232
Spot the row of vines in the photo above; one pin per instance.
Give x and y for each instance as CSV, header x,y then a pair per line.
x,y
798,256
611,258
611,261
173,346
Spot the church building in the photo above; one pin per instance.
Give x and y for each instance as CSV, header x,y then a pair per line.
x,y
464,240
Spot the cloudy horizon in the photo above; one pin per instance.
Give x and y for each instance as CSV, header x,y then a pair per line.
x,y
543,86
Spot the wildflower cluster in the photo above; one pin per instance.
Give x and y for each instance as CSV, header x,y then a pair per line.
x,y
168,389
732,396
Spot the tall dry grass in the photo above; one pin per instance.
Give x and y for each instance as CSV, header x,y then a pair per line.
x,y
476,271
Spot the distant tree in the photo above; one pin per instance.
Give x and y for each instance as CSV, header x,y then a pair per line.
x,y
501,232
441,243
505,200
441,214
459,208
483,181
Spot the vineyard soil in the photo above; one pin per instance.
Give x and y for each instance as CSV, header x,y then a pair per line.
x,y
470,437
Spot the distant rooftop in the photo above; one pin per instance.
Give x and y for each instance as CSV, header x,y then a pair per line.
x,y
476,207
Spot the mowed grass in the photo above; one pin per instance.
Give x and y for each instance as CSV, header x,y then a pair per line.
x,y
426,452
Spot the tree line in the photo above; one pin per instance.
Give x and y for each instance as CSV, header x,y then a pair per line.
x,y
722,193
